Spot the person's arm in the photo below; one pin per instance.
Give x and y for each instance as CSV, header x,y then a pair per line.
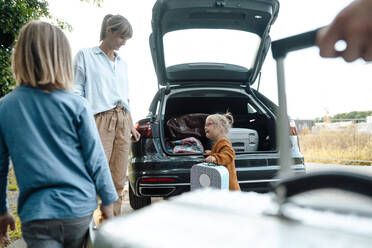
x,y
95,158
79,74
353,25
4,169
224,156
134,133
6,219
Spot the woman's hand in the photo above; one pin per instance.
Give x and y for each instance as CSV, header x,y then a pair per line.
x,y
6,220
210,159
135,135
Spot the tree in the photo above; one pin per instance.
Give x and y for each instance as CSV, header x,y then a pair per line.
x,y
13,15
353,115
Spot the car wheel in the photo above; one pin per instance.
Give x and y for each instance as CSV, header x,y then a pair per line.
x,y
137,202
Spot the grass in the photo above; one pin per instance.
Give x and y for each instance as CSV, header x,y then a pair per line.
x,y
338,147
12,182
17,233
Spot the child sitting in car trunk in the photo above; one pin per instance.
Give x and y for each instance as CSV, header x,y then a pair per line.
x,y
217,127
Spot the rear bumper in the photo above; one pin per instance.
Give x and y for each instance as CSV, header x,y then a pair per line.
x,y
162,190
254,176
265,184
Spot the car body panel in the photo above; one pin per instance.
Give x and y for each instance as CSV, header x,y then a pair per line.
x,y
149,158
255,172
152,170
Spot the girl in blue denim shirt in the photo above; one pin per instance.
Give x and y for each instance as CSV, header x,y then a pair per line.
x,y
51,137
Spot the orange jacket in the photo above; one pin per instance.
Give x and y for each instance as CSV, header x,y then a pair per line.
x,y
225,155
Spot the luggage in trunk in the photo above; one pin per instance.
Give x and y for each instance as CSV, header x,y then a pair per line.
x,y
243,139
250,132
188,125
186,111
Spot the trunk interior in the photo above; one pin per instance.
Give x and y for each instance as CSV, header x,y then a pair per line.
x,y
246,111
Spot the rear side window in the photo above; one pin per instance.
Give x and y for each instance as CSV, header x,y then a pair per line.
x,y
251,109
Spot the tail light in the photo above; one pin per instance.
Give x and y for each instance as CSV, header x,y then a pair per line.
x,y
292,128
144,129
157,180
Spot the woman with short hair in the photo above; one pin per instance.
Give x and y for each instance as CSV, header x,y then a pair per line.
x,y
51,137
101,78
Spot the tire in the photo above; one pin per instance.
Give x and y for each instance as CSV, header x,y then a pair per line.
x,y
137,202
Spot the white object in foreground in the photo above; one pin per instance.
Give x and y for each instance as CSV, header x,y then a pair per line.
x,y
216,218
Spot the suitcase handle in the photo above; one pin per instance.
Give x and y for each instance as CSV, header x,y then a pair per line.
x,y
210,164
281,47
347,181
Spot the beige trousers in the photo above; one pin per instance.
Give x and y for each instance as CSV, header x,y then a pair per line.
x,y
114,130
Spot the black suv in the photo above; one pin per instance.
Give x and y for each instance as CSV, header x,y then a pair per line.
x,y
181,31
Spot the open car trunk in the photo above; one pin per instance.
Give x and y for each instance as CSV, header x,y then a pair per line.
x,y
249,117
249,16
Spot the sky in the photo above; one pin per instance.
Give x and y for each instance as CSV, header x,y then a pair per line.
x,y
315,86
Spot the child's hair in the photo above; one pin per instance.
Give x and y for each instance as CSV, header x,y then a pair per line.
x,y
42,57
223,120
116,23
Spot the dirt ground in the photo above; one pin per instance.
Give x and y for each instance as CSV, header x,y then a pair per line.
x,y
12,200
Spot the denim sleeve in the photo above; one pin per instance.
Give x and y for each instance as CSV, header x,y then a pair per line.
x,y
4,169
95,158
79,74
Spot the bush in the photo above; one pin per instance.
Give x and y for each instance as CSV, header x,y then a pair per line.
x,y
6,78
15,14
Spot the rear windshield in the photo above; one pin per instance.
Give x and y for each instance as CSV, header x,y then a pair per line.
x,y
210,45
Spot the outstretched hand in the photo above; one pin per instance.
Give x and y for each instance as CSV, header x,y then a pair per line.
x,y
6,220
352,25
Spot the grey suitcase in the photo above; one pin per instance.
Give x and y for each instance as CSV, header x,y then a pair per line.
x,y
243,139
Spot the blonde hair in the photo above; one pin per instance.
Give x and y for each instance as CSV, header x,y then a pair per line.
x,y
224,121
117,23
42,57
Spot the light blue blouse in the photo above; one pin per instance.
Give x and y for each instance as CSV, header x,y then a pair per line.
x,y
104,85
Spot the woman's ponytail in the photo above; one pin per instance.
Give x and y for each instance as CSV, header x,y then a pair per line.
x,y
104,27
116,23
